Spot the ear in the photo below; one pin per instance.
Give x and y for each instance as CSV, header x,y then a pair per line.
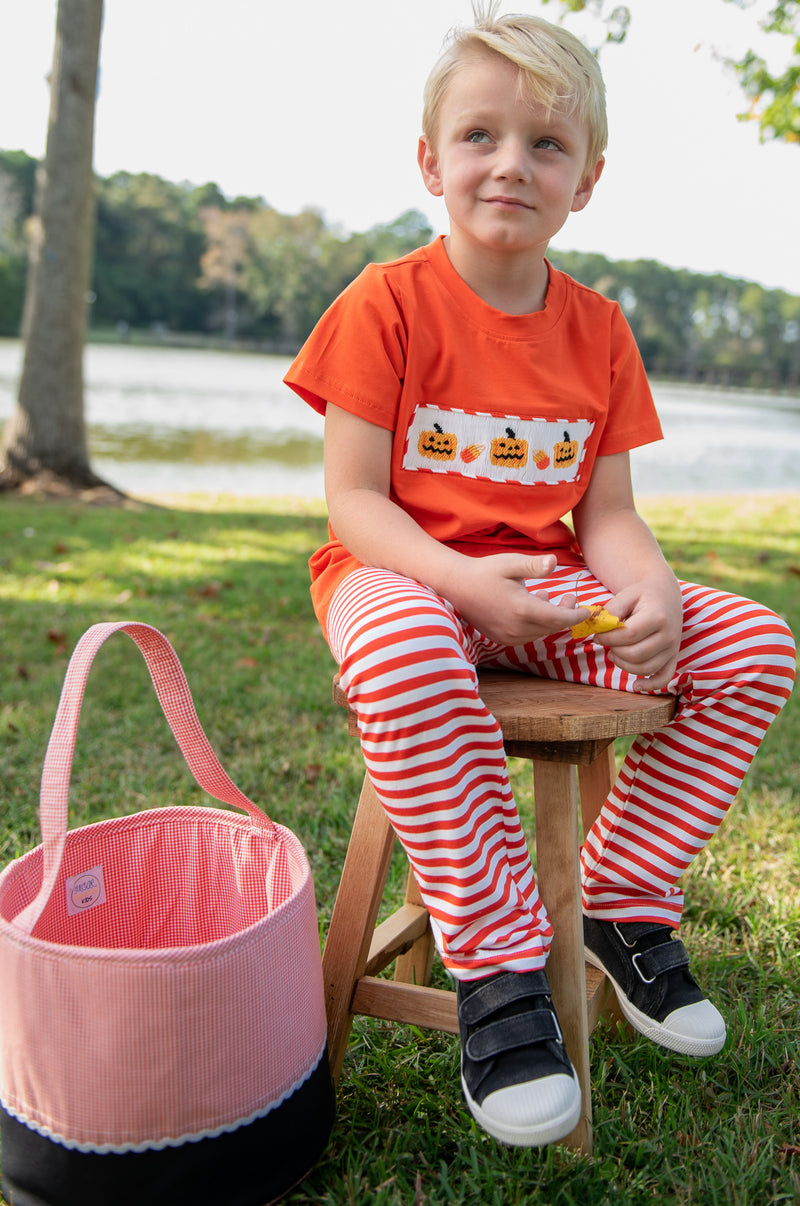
x,y
429,166
586,187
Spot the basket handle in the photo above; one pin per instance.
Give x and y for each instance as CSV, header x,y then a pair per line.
x,y
175,698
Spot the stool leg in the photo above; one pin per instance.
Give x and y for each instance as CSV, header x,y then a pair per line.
x,y
414,967
558,875
355,912
596,781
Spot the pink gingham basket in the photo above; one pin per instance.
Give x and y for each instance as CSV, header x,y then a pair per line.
x,y
161,1014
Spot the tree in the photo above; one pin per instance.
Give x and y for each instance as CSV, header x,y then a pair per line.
x,y
19,169
227,232
774,95
14,209
775,98
45,438
149,243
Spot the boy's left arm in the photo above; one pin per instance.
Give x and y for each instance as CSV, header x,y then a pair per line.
x,y
622,553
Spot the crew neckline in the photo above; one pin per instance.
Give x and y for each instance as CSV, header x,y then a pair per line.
x,y
488,318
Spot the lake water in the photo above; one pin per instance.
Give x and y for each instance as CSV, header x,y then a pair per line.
x,y
168,419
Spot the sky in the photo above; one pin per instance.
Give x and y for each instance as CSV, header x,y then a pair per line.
x,y
316,103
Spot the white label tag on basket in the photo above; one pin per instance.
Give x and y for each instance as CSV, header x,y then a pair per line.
x,y
85,891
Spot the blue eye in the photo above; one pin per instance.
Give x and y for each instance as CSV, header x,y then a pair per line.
x,y
478,136
547,144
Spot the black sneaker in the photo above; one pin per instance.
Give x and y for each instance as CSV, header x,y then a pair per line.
x,y
655,989
517,1078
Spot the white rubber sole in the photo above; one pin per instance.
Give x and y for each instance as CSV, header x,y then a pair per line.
x,y
532,1132
705,1017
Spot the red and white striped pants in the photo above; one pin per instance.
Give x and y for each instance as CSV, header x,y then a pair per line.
x,y
435,756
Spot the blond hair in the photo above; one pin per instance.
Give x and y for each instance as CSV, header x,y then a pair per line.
x,y
556,70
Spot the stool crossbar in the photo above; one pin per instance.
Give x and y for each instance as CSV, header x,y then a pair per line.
x,y
558,727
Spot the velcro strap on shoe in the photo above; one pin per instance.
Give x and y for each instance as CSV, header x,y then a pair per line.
x,y
499,991
522,1030
632,932
667,957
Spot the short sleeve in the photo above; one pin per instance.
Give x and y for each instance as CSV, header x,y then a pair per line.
x,y
355,356
632,417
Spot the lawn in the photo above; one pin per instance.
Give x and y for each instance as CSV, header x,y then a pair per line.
x,y
226,580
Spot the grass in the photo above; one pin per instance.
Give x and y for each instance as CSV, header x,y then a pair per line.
x,y
226,581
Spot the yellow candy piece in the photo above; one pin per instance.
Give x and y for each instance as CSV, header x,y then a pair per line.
x,y
599,620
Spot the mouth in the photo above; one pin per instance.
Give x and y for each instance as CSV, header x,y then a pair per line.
x,y
509,203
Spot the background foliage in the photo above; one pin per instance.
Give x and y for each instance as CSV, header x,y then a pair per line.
x,y
772,89
176,260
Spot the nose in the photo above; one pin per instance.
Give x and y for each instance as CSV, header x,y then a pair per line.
x,y
512,161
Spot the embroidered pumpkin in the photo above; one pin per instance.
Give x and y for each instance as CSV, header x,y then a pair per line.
x,y
439,445
565,452
508,451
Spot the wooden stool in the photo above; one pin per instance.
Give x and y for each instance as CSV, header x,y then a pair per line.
x,y
558,726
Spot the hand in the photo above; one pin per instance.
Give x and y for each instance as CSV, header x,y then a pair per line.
x,y
648,644
490,593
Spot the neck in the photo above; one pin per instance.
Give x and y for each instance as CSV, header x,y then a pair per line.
x,y
515,283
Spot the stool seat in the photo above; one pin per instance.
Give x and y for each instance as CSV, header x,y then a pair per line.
x,y
544,712
558,727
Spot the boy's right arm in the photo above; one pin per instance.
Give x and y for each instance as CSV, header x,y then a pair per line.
x,y
489,592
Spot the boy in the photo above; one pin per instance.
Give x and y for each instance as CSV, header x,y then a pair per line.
x,y
473,397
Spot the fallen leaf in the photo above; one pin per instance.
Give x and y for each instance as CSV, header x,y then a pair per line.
x,y
210,590
57,638
599,620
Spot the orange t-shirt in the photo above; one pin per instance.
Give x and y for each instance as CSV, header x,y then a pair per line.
x,y
497,418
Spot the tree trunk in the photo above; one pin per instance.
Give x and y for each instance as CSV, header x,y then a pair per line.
x,y
46,434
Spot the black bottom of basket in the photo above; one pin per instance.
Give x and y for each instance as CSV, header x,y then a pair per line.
x,y
252,1166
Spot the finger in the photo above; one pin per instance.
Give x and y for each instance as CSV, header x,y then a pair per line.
x,y
542,565
555,615
655,668
654,682
572,616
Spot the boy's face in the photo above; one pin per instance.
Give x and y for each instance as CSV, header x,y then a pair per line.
x,y
509,173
